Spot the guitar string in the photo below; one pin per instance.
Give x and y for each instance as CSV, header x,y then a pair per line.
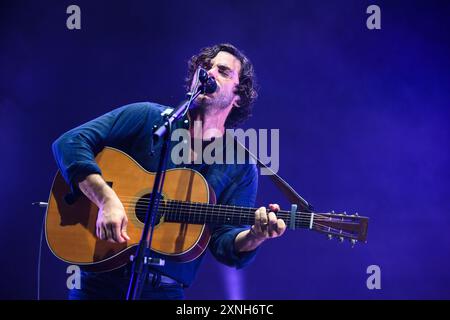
x,y
319,227
218,207
199,214
225,207
336,232
201,217
237,212
325,228
180,205
344,233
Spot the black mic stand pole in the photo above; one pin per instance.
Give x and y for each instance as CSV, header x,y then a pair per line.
x,y
142,259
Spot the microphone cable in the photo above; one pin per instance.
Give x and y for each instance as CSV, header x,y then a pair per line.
x,y
39,261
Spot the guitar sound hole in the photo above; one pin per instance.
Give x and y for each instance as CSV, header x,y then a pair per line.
x,y
142,207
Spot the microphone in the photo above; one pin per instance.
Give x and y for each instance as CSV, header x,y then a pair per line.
x,y
208,84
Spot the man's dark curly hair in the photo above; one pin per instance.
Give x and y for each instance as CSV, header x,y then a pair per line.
x,y
246,89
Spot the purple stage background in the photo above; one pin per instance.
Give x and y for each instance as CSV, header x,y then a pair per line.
x,y
363,118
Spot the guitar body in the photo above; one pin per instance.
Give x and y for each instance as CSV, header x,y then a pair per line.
x,y
71,228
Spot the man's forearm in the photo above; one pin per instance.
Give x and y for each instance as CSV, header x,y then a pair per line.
x,y
96,189
112,220
246,241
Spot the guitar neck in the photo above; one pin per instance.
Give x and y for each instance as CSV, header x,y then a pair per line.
x,y
204,213
334,225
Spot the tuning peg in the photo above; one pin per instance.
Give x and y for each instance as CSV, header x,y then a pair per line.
x,y
332,211
345,213
341,239
354,241
330,237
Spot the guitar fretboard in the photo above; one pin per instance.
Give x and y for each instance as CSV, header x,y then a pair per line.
x,y
205,213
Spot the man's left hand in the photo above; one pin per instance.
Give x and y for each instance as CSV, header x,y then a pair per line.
x,y
267,225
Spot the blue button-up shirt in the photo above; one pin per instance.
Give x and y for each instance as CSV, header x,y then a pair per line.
x,y
129,129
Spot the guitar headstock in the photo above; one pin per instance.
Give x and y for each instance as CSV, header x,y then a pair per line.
x,y
342,226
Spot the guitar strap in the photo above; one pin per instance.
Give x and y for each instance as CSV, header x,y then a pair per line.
x,y
289,192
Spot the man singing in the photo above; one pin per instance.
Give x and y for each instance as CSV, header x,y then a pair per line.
x,y
129,129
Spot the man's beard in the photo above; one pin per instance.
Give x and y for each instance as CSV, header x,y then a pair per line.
x,y
212,103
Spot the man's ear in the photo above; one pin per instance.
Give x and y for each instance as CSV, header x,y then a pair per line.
x,y
236,101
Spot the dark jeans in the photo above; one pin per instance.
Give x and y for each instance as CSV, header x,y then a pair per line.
x,y
113,285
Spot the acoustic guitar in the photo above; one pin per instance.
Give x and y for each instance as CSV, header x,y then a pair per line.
x,y
184,218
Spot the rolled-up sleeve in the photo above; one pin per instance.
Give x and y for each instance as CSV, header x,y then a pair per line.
x,y
222,244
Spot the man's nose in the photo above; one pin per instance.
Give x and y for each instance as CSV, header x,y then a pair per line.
x,y
212,73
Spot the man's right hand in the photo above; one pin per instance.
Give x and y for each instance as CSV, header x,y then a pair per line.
x,y
112,222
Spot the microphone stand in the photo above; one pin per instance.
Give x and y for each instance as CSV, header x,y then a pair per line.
x,y
142,259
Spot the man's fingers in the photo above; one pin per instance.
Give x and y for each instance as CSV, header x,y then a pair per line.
x,y
124,229
281,227
267,225
272,224
272,218
117,233
97,232
108,232
102,232
274,207
264,221
263,217
257,224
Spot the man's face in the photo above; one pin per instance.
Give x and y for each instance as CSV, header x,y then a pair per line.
x,y
225,69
